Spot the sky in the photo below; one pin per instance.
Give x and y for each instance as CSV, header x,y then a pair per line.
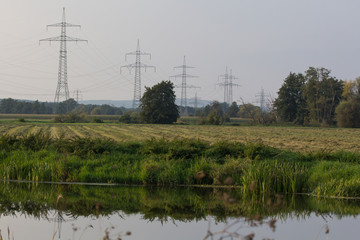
x,y
262,41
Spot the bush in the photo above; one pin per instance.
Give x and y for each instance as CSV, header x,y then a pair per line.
x,y
97,120
72,117
348,114
21,119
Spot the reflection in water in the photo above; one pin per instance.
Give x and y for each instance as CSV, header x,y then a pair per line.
x,y
93,212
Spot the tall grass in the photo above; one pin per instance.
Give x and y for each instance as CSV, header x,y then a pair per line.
x,y
253,167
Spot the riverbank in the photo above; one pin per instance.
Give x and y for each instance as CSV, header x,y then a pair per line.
x,y
253,167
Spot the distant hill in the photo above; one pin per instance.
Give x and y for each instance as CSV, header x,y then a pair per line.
x,y
116,103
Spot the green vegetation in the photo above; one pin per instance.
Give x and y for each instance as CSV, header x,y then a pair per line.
x,y
253,167
158,104
303,139
309,98
11,106
348,111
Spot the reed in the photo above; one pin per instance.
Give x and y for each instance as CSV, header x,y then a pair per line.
x,y
253,167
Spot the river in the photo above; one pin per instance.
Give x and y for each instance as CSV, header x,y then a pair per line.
x,y
54,211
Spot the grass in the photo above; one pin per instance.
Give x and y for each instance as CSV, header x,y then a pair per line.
x,y
254,167
303,139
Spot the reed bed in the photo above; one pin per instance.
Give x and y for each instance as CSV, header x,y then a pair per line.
x,y
255,168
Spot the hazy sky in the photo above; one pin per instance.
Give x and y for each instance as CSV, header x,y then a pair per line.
x,y
262,41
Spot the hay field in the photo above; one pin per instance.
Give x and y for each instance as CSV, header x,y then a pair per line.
x,y
292,138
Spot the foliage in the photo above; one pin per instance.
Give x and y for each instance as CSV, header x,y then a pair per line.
x,y
25,107
129,117
248,110
322,94
96,120
348,111
309,98
71,117
233,110
11,106
348,114
290,102
254,167
21,119
158,104
213,114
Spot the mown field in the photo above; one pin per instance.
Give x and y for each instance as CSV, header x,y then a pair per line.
x,y
291,138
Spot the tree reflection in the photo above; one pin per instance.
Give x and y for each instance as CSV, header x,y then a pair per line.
x,y
161,204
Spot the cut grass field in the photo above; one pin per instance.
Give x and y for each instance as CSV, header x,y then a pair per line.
x,y
291,138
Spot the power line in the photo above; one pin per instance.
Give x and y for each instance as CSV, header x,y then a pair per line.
x,y
138,65
261,98
62,89
184,76
228,85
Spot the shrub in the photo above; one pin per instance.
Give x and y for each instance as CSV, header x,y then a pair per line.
x,y
72,117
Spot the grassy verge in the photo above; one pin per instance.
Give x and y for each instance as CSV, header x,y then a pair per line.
x,y
254,167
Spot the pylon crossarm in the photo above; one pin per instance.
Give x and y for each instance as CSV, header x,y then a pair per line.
x,y
136,53
176,76
62,24
129,67
191,76
60,38
184,66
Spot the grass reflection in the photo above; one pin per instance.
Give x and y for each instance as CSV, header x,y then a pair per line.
x,y
162,204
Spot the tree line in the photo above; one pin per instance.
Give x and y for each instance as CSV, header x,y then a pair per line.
x,y
316,97
12,106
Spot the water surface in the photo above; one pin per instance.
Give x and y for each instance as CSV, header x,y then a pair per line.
x,y
45,211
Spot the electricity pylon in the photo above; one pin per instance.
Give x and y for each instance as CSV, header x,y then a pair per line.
x,y
261,98
137,65
228,85
77,95
195,101
184,77
231,85
62,89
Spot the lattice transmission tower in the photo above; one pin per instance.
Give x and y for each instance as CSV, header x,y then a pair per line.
x,y
228,85
62,89
138,65
77,95
184,76
261,98
231,85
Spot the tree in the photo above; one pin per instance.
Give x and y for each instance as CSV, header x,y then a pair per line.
x,y
65,106
96,111
158,104
348,111
322,94
216,114
233,110
312,97
290,103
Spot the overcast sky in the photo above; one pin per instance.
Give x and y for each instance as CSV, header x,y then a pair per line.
x,y
262,41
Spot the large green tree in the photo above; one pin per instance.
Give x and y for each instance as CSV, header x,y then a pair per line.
x,y
158,104
290,102
322,94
